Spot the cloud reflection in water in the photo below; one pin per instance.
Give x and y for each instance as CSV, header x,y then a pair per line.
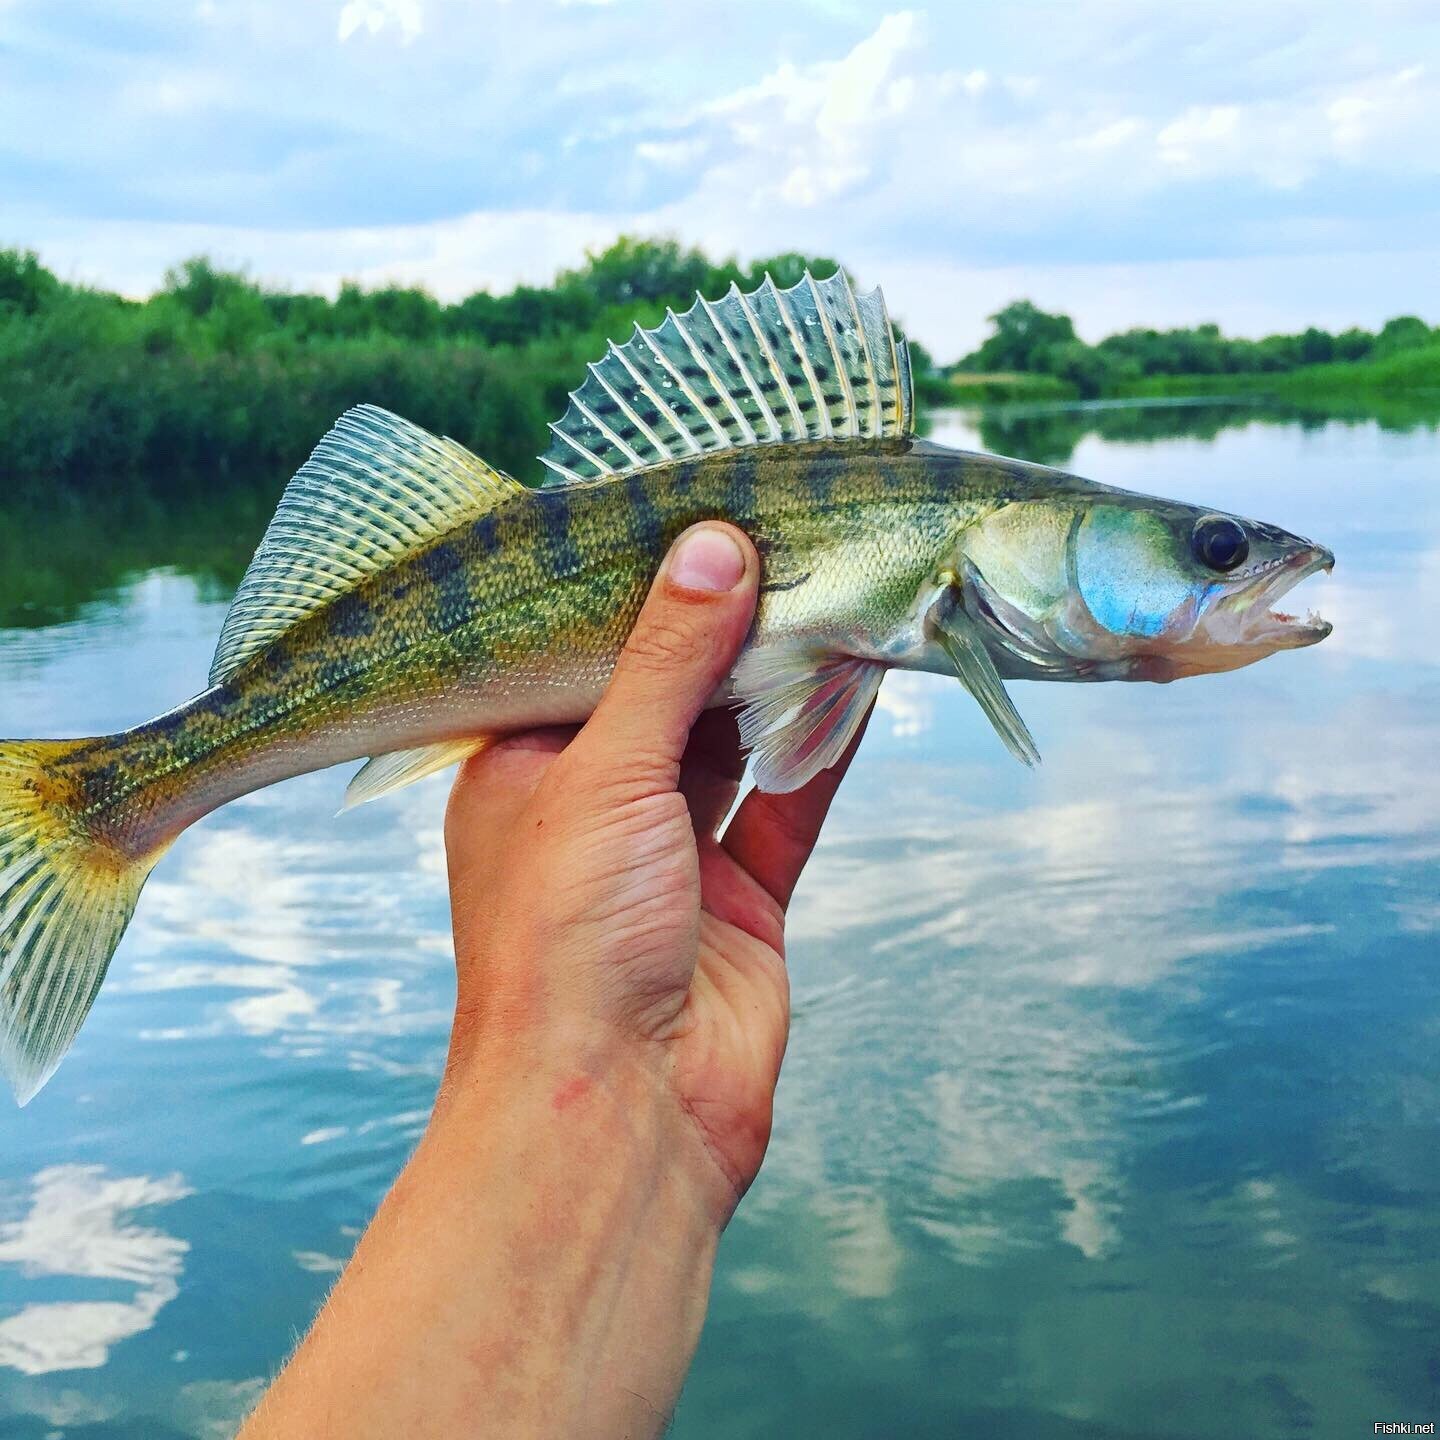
x,y
75,1228
963,973
1122,1069
248,904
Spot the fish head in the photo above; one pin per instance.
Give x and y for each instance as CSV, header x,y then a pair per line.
x,y
1115,586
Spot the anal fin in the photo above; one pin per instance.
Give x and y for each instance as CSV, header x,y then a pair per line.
x,y
385,773
801,709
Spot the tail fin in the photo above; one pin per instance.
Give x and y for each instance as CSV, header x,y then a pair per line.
x,y
66,896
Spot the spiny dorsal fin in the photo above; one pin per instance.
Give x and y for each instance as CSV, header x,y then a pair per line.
x,y
376,488
813,362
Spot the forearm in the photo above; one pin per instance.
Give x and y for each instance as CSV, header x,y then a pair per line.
x,y
540,1268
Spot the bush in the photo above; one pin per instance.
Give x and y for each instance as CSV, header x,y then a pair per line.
x,y
216,373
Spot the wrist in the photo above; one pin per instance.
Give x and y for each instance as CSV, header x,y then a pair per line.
x,y
578,1086
610,1229
540,1268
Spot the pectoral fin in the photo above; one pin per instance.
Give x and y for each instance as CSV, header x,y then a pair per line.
x,y
958,635
802,707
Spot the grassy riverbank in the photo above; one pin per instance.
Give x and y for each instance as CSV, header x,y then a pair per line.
x,y
216,375
1395,384
1407,373
1029,352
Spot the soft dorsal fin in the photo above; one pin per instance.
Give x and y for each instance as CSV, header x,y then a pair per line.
x,y
813,362
376,488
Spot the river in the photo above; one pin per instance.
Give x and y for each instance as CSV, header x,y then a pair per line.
x,y
1112,1106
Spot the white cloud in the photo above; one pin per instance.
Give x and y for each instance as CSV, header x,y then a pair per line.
x,y
906,699
1111,135
241,908
1379,110
673,154
213,1409
1199,128
498,142
373,16
1383,122
1090,1226
176,93
325,1134
317,1262
808,133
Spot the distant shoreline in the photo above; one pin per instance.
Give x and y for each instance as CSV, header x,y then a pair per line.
x,y
216,376
1409,373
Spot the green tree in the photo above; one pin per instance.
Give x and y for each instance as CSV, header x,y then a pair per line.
x,y
26,286
1317,347
300,317
407,314
785,269
227,307
1354,344
1089,370
527,314
199,287
1404,332
921,361
634,270
1022,337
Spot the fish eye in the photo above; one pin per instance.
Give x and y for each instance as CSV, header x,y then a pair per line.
x,y
1219,543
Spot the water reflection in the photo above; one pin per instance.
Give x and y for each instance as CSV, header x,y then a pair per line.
x,y
1125,1069
285,915
1049,434
1110,1107
74,1229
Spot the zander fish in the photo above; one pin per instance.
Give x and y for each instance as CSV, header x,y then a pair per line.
x,y
409,603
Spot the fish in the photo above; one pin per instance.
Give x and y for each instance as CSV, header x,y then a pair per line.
x,y
410,603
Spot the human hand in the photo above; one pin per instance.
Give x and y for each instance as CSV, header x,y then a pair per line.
x,y
599,921
541,1266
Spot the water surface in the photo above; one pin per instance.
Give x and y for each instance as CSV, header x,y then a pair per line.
x,y
1112,1106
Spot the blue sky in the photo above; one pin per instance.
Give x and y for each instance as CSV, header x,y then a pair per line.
x,y
1262,163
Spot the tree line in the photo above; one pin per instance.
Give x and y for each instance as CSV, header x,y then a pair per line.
x,y
217,373
1026,340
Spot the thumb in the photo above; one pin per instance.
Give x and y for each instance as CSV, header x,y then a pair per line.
x,y
690,630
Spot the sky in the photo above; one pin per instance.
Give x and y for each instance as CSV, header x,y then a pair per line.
x,y
1266,164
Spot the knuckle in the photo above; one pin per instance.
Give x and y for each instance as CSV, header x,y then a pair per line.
x,y
667,642
640,771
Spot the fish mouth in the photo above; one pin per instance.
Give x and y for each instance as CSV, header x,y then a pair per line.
x,y
1250,614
